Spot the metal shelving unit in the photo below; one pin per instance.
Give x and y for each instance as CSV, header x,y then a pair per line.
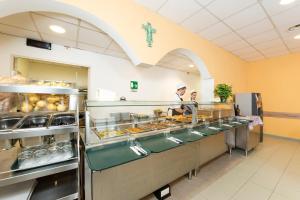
x,y
10,177
20,176
36,89
23,133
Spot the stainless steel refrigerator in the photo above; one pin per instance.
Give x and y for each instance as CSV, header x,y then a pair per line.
x,y
250,104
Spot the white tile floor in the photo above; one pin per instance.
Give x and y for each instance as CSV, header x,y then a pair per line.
x,y
270,172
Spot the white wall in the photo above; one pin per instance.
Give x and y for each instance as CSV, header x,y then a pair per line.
x,y
106,72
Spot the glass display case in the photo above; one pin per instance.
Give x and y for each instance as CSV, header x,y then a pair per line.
x,y
120,120
113,121
39,133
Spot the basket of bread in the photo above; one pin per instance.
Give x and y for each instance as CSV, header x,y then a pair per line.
x,y
44,102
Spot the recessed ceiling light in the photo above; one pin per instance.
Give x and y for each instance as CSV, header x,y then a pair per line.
x,y
297,37
295,27
191,66
57,29
285,2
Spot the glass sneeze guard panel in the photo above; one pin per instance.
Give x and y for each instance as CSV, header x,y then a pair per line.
x,y
112,121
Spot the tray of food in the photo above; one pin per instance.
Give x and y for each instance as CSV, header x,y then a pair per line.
x,y
134,130
180,118
103,134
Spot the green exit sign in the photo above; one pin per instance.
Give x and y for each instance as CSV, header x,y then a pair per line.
x,y
134,85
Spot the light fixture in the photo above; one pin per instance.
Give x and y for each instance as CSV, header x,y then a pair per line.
x,y
297,37
57,29
191,65
286,2
295,27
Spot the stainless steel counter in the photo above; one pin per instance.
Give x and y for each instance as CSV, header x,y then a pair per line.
x,y
247,139
143,176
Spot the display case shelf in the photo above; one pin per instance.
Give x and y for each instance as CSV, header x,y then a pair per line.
x,y
8,88
23,133
9,178
62,186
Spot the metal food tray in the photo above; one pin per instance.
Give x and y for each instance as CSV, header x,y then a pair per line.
x,y
23,117
54,116
96,130
5,125
16,167
21,123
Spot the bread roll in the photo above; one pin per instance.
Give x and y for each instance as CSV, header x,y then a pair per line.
x,y
61,107
52,99
26,107
51,107
33,98
41,104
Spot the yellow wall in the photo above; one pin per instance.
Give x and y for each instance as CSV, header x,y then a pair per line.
x,y
127,17
278,80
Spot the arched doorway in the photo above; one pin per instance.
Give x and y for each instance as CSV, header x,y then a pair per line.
x,y
10,7
187,61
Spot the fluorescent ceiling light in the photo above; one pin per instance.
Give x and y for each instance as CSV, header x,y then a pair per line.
x,y
57,29
285,2
191,66
297,37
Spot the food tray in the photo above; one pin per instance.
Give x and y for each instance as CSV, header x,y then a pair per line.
x,y
34,121
49,159
186,136
107,156
157,143
61,119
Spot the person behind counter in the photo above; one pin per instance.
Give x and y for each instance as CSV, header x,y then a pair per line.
x,y
179,109
189,109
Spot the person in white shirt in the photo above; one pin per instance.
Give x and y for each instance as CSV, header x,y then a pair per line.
x,y
189,108
179,109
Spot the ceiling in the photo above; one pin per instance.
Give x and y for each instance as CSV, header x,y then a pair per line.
x,y
178,61
250,29
79,34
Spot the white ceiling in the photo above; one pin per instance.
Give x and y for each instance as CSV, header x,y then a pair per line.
x,y
79,34
178,61
250,29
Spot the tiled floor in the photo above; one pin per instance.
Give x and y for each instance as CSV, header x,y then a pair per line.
x,y
270,172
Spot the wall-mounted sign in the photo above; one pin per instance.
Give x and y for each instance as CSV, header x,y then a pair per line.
x,y
149,33
134,85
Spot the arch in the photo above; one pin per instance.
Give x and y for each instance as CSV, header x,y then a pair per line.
x,y
206,80
10,7
197,61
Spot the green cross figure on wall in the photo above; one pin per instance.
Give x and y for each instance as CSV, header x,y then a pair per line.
x,y
149,33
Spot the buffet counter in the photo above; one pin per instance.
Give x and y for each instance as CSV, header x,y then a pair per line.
x,y
124,153
113,170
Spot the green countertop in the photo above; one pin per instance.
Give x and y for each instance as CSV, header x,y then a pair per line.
x,y
186,136
236,125
157,143
107,156
206,131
